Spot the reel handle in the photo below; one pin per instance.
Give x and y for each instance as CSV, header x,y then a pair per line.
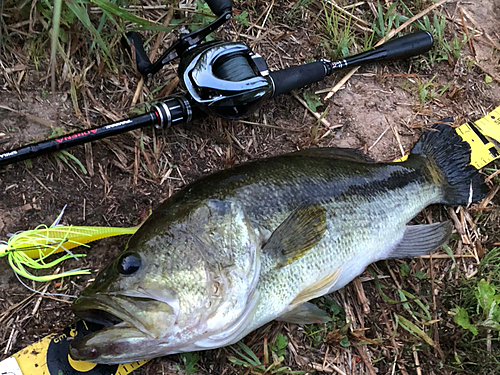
x,y
219,7
296,77
133,43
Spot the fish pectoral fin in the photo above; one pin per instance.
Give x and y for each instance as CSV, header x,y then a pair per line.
x,y
307,313
422,239
317,289
299,233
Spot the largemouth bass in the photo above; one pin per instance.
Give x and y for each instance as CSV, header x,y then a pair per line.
x,y
241,247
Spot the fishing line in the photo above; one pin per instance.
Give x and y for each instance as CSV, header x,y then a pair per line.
x,y
234,69
43,293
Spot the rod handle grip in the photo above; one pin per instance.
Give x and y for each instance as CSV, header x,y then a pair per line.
x,y
407,46
286,80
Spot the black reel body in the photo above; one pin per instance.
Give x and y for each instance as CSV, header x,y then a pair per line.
x,y
225,78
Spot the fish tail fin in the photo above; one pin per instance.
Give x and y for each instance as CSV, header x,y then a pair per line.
x,y
447,163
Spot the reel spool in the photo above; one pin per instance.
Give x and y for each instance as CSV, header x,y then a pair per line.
x,y
225,78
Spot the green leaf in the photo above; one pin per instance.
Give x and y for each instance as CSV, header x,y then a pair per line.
x,y
280,346
448,251
111,8
333,306
485,295
404,269
242,18
75,159
190,360
202,17
312,100
250,357
281,341
488,79
462,319
415,330
345,342
238,361
418,302
420,275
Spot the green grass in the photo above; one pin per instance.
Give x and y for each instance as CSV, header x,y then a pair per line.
x,y
102,31
480,307
474,306
293,16
429,90
387,19
56,22
190,361
443,50
246,358
335,330
339,38
425,90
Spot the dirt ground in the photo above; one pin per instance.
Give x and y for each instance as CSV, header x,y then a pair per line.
x,y
378,110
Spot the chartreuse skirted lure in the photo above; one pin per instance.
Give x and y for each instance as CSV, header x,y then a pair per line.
x,y
32,248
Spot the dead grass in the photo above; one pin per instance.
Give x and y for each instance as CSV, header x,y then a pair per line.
x,y
393,319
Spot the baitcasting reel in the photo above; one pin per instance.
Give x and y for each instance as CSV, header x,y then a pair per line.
x,y
225,78
222,78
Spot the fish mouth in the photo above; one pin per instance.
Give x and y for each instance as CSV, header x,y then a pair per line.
x,y
133,321
97,316
109,311
121,329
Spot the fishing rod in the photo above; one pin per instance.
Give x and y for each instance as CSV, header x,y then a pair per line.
x,y
221,78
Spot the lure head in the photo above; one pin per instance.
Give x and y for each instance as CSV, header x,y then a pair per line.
x,y
3,248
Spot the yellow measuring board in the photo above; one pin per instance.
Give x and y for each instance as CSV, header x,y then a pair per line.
x,y
483,136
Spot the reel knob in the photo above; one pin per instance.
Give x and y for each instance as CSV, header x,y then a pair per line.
x,y
225,78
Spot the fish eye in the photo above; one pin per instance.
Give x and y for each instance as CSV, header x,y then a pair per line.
x,y
129,263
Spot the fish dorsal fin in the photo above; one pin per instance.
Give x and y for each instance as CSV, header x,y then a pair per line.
x,y
317,289
350,154
422,239
307,313
299,233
